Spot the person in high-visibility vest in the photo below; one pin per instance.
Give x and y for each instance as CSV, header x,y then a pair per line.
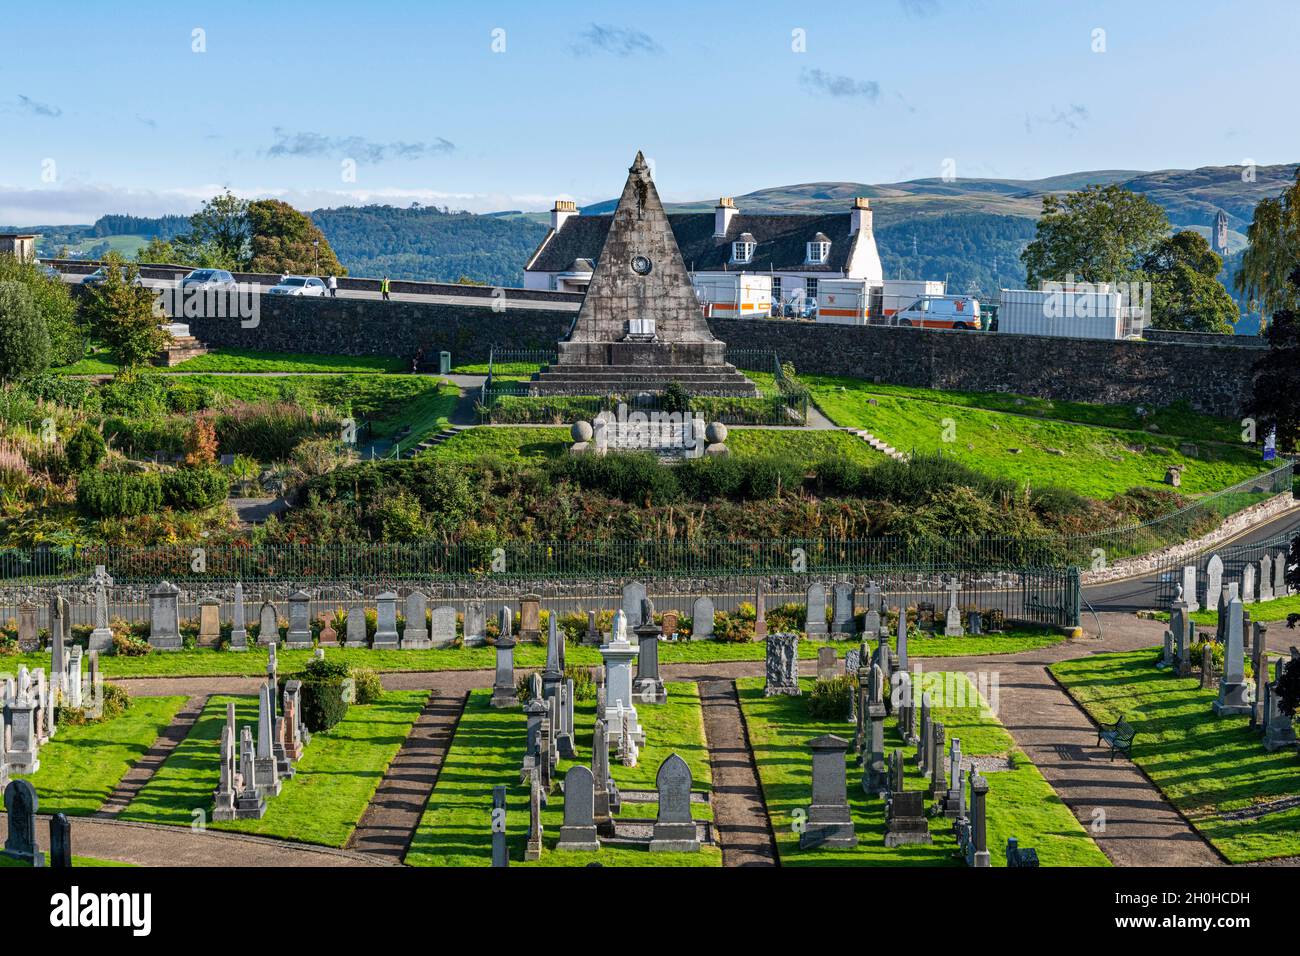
x,y
383,288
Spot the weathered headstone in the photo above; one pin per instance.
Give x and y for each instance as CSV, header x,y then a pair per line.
x,y
28,632
974,622
1259,661
165,617
905,819
600,776
760,613
782,665
355,633
1213,580
268,625
530,619
648,686
22,726
952,622
579,829
843,615
1234,692
238,620
503,688
60,842
977,850
1248,584
901,640
101,638
668,627
633,594
702,612
475,627
1280,588
815,613
415,636
829,822
674,830
21,805
442,627
952,801
1207,665
250,799
827,666
871,619
1266,577
298,636
1279,729
1167,654
386,636
533,848
500,849
1189,589
618,655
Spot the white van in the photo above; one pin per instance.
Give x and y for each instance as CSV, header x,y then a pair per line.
x,y
941,312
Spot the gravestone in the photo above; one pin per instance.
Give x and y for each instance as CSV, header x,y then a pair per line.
x,y
618,655
500,849
1266,577
1280,587
1020,856
265,767
852,660
938,774
974,622
28,632
782,665
901,642
535,714
669,627
579,829
952,622
328,636
386,636
875,778
829,823
475,627
905,819
1189,588
1207,665
648,685
250,800
702,611
1279,730
871,620
296,735
442,627
952,801
355,633
760,613
503,687
1234,692
1213,580
21,805
827,663
268,625
591,636
299,634
1248,584
60,842
223,799
165,617
530,619
977,850
905,705
924,736
602,808
239,623
843,599
633,594
22,726
1167,653
1259,661
533,847
674,830
815,613
101,638
415,636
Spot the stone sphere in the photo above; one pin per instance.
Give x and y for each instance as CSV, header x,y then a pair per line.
x,y
715,433
581,431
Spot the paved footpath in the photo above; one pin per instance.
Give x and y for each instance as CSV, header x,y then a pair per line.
x,y
142,770
1140,828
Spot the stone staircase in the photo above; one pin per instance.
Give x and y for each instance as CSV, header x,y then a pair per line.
x,y
883,447
433,441
182,347
630,379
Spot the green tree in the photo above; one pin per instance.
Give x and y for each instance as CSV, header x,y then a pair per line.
x,y
1186,294
1275,401
222,224
24,340
122,314
285,240
56,305
1098,234
1273,249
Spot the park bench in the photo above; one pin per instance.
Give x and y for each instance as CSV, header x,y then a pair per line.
x,y
1119,735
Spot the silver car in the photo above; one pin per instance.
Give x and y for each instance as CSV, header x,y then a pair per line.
x,y
298,285
205,280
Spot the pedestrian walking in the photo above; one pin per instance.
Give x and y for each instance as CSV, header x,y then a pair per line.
x,y
333,284
383,288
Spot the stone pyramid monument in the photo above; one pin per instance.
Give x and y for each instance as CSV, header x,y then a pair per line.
x,y
640,325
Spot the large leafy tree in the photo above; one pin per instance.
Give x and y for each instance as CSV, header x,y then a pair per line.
x,y
285,240
50,296
1186,293
222,225
24,340
1273,250
1275,402
1098,234
121,313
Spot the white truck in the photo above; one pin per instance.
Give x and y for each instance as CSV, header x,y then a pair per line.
x,y
871,302
1095,312
734,295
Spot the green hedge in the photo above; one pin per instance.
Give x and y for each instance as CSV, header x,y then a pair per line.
x,y
189,489
323,700
106,494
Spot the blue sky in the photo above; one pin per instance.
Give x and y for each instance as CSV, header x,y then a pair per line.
x,y
109,108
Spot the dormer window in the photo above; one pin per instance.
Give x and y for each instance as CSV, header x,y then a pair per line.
x,y
819,250
742,250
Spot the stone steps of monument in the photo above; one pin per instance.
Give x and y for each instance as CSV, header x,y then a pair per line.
x,y
433,441
180,349
883,447
641,375
699,384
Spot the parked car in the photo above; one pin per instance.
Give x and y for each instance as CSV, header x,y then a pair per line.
x,y
99,275
208,280
298,285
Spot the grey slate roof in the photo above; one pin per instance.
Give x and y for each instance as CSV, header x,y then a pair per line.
x,y
782,242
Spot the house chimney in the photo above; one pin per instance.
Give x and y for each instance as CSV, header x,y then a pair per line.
x,y
564,208
722,213
860,217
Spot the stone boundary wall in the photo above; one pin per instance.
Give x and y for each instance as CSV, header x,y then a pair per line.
x,y
1258,513
1217,339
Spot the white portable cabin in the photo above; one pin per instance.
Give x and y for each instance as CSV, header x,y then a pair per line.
x,y
1097,313
734,295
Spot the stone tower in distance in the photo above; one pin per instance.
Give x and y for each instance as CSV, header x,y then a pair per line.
x,y
1219,234
640,325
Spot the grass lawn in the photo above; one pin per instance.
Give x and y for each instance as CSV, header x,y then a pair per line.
x,y
249,360
1204,765
1091,458
488,749
76,860
807,447
81,765
252,663
1265,611
321,803
100,361
508,442
1020,802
